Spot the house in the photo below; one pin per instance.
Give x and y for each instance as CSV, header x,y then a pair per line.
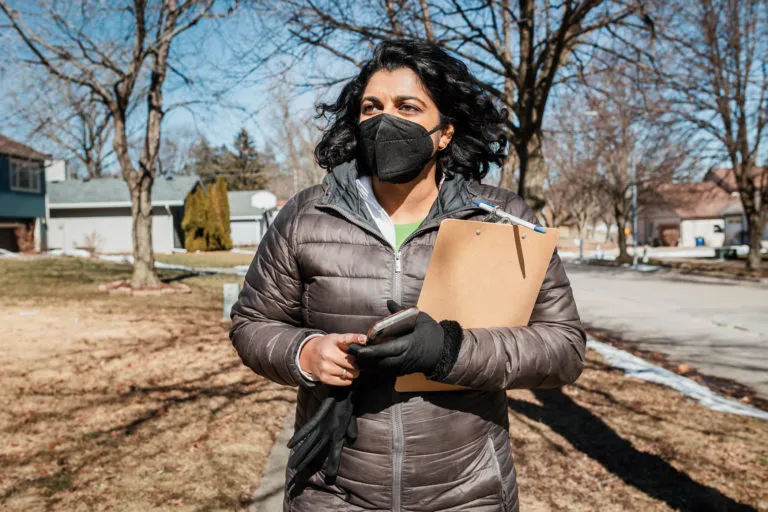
x,y
247,222
96,214
736,227
677,214
22,195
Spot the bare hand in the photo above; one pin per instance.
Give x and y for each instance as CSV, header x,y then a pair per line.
x,y
326,358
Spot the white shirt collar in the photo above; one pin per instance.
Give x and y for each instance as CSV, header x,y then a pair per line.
x,y
379,214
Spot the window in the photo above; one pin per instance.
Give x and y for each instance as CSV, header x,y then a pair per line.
x,y
25,176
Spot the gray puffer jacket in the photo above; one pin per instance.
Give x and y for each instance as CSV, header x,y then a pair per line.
x,y
323,266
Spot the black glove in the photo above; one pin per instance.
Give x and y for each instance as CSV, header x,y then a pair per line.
x,y
431,348
332,425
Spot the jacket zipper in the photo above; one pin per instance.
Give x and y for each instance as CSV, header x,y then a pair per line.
x,y
398,438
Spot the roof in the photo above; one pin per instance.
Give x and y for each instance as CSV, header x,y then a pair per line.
x,y
17,149
703,200
726,178
733,208
240,204
113,192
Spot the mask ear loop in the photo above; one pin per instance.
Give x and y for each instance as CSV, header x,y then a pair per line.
x,y
433,130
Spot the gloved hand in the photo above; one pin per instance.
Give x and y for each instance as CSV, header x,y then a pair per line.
x,y
332,425
431,348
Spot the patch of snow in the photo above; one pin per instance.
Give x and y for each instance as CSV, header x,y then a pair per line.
x,y
634,366
172,266
117,258
646,268
75,253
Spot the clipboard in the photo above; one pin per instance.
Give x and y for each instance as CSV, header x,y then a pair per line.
x,y
482,274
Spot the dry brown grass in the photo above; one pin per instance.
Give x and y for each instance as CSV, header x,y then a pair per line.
x,y
125,403
611,443
139,403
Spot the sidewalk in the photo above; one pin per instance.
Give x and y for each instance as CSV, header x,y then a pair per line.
x,y
269,496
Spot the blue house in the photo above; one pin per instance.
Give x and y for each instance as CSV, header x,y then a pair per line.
x,y
22,194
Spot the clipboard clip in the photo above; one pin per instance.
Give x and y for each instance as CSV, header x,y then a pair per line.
x,y
500,216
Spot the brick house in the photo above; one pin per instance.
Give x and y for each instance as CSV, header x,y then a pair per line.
x,y
677,214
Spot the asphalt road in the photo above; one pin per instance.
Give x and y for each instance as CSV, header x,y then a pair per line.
x,y
718,327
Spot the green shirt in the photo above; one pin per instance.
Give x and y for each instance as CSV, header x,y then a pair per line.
x,y
403,231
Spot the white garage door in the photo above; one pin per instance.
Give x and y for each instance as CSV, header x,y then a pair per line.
x,y
245,232
109,231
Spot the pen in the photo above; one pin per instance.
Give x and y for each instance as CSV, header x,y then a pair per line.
x,y
504,215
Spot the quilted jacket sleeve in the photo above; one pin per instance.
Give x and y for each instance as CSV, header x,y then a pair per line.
x,y
266,320
549,352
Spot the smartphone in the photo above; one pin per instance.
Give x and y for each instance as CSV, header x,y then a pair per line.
x,y
393,326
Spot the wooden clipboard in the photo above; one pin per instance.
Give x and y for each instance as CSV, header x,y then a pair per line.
x,y
482,274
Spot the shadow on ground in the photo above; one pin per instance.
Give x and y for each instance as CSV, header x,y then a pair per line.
x,y
162,418
648,473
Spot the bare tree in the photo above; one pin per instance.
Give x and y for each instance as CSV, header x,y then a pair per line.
x,y
520,50
108,49
67,117
571,154
175,155
616,140
295,139
712,64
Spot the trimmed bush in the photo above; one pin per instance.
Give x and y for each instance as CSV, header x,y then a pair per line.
x,y
218,236
206,219
195,220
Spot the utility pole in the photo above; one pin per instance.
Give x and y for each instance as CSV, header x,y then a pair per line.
x,y
634,216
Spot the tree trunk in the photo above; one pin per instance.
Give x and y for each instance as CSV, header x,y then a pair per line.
x,y
581,227
621,236
139,186
144,275
508,180
533,172
755,228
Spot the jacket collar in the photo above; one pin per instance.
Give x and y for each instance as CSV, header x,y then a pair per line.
x,y
456,193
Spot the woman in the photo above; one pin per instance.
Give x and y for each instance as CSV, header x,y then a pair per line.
x,y
409,140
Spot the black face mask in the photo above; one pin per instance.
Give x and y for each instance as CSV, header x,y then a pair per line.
x,y
394,149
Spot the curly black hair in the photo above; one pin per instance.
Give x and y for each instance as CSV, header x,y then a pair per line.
x,y
479,138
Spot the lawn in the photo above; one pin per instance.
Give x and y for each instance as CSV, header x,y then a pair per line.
x,y
125,403
713,266
207,259
140,403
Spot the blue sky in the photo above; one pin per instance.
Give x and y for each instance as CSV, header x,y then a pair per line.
x,y
214,56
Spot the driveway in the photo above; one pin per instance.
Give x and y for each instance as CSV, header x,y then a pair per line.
x,y
719,327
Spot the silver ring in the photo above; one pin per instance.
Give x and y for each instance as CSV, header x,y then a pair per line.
x,y
343,373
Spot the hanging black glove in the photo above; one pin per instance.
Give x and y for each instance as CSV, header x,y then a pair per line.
x,y
431,348
325,433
